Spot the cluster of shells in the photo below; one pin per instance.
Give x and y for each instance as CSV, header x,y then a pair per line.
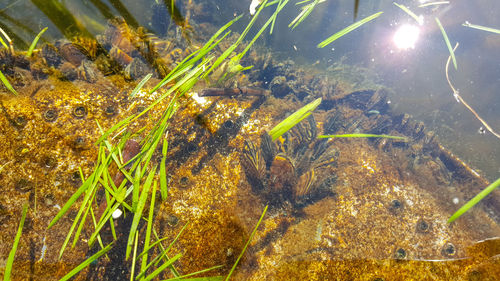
x,y
122,49
296,168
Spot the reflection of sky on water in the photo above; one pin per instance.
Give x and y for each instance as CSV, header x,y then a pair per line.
x,y
416,72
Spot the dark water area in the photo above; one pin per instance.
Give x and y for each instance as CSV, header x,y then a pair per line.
x,y
357,209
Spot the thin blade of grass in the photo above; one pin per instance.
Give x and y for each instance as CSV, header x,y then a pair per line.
x,y
163,170
293,119
434,3
262,29
137,186
35,41
3,43
410,13
12,254
480,27
306,10
7,83
163,254
348,29
211,278
75,222
138,212
149,227
132,270
474,200
6,38
87,262
362,136
447,41
246,245
274,19
73,198
231,48
162,267
183,277
140,85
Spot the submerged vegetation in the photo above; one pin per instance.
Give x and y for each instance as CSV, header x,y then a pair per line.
x,y
143,176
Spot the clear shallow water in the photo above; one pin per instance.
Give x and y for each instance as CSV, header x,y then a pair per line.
x,y
416,76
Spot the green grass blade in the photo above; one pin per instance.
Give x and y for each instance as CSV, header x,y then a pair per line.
x,y
163,171
138,212
12,254
410,13
231,48
132,270
137,186
306,10
348,29
480,27
163,254
7,83
362,136
87,262
74,224
149,226
162,267
434,3
3,43
262,29
293,119
140,85
35,41
447,41
474,200
211,278
246,245
274,18
183,277
72,199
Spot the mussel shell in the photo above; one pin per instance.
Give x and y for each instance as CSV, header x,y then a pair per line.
x,y
304,184
254,165
282,176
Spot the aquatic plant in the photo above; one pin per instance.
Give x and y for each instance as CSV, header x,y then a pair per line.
x,y
7,83
480,27
362,136
480,196
133,199
410,13
348,29
12,254
35,41
447,41
294,119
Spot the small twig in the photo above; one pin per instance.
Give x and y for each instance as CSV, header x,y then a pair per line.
x,y
457,96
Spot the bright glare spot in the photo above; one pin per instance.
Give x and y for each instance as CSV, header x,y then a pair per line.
x,y
406,36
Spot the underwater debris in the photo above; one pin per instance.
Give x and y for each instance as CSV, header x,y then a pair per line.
x,y
232,92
